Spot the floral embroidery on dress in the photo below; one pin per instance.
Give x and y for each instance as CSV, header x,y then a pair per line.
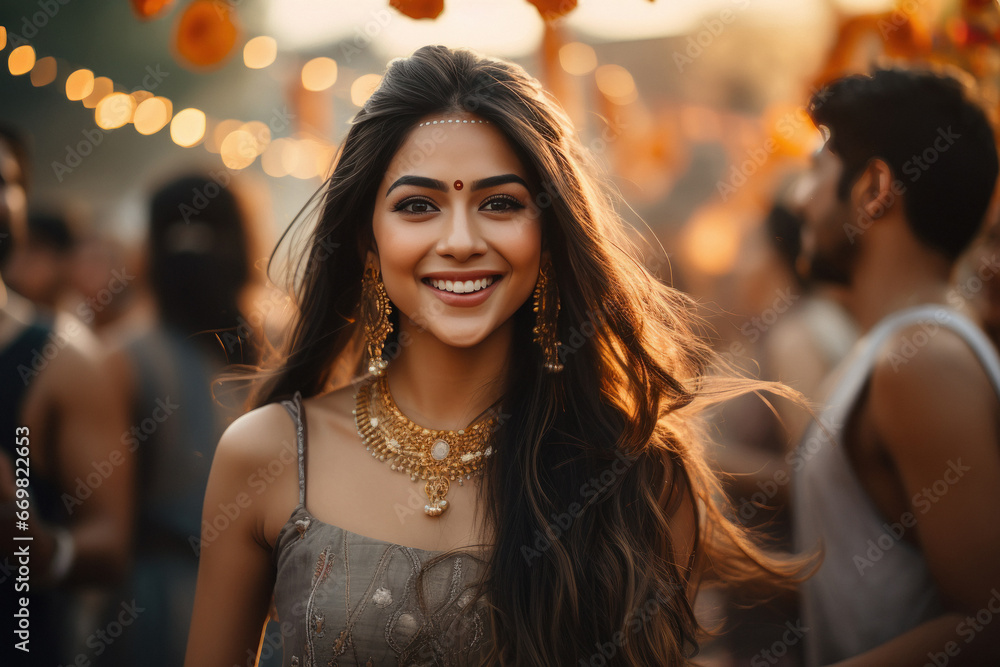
x,y
319,620
382,597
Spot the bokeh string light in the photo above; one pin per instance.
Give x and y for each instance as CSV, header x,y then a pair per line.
x,y
44,72
239,143
21,60
260,52
79,85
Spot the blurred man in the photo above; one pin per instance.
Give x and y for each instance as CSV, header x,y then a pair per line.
x,y
900,483
39,268
61,426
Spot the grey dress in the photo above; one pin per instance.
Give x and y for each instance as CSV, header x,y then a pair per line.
x,y
348,599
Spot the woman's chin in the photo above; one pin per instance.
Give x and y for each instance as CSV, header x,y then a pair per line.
x,y
461,335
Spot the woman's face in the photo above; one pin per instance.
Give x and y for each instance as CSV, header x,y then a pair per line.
x,y
458,239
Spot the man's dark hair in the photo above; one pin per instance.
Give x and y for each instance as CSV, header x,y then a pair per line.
x,y
935,139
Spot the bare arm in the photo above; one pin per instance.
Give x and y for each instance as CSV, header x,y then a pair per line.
x,y
76,419
936,415
236,575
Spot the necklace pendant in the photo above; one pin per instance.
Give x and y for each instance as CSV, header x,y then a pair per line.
x,y
436,489
436,508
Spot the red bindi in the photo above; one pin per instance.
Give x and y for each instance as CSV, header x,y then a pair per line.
x,y
459,185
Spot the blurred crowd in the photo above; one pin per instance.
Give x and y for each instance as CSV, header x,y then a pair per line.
x,y
112,358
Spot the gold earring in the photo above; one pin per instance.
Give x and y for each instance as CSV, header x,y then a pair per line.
x,y
375,311
546,307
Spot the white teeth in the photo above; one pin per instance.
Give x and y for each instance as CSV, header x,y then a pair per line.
x,y
460,287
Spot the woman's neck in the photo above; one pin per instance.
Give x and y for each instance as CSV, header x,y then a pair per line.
x,y
443,387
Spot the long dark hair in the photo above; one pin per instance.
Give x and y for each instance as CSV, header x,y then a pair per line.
x,y
612,442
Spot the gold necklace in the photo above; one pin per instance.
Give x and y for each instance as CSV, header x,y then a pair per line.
x,y
439,457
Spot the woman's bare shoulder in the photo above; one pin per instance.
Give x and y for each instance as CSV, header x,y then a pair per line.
x,y
255,469
256,439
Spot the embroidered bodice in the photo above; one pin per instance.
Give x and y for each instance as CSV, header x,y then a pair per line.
x,y
347,599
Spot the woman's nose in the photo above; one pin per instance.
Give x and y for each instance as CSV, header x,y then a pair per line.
x,y
461,236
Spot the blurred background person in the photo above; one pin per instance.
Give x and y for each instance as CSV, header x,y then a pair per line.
x,y
199,258
55,397
895,485
105,290
793,330
40,268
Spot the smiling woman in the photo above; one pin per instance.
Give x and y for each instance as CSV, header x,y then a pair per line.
x,y
559,510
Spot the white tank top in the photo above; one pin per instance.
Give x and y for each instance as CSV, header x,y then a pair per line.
x,y
872,585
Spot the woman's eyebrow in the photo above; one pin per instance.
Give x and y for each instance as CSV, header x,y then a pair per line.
x,y
419,181
493,181
434,184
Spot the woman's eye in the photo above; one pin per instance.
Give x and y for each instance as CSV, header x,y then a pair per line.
x,y
414,206
502,204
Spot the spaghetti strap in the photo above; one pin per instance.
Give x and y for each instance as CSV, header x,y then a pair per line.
x,y
298,414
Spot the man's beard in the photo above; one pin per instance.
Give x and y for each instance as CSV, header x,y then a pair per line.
x,y
828,265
